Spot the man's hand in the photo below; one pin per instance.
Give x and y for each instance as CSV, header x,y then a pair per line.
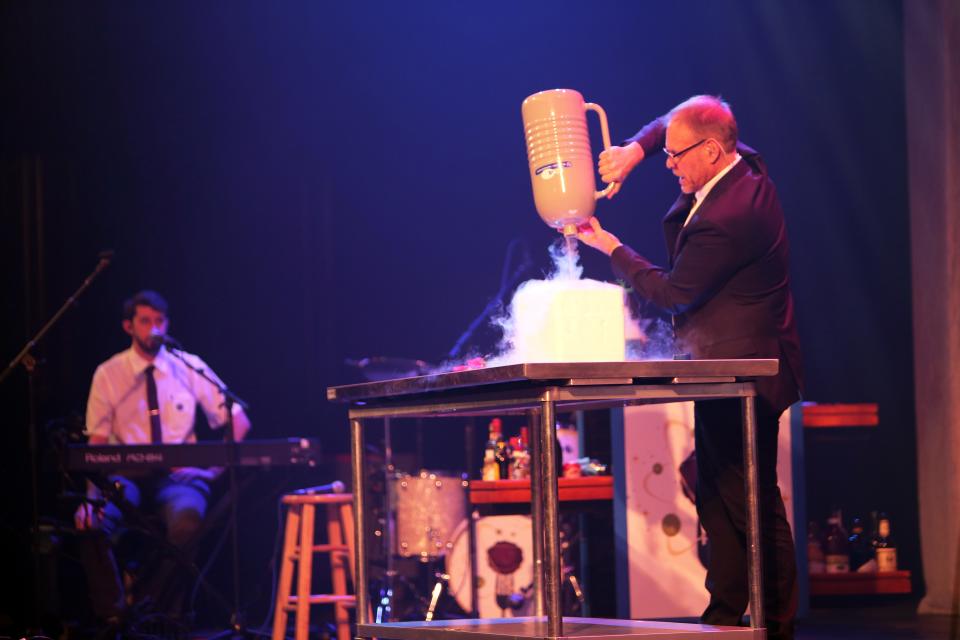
x,y
616,163
186,474
593,235
87,517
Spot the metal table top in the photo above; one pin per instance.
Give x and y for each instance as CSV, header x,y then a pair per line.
x,y
561,374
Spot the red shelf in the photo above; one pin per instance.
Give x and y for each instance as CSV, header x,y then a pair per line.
x,y
850,584
840,415
511,491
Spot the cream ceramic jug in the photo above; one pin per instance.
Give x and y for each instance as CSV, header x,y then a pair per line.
x,y
559,156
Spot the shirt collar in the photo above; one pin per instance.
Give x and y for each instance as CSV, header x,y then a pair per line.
x,y
705,189
138,363
702,193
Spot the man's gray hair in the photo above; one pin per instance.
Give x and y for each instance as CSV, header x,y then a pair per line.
x,y
708,117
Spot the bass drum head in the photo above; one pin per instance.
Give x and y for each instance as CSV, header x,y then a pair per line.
x,y
504,567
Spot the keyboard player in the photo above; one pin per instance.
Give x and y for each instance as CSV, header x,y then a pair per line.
x,y
145,395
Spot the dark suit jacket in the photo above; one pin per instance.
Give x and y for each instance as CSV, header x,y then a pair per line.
x,y
727,283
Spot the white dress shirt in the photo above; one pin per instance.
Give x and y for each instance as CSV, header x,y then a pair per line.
x,y
117,406
701,194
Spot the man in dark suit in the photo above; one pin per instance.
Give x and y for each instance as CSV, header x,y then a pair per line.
x,y
727,287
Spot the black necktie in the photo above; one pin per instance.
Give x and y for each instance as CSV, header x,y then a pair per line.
x,y
156,435
693,203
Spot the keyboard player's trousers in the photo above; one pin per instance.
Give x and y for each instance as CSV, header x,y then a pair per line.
x,y
161,576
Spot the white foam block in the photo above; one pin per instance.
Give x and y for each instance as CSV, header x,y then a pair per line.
x,y
567,321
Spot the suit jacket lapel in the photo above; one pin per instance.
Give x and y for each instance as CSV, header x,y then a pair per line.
x,y
673,223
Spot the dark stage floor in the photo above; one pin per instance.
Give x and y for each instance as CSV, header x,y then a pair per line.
x,y
898,621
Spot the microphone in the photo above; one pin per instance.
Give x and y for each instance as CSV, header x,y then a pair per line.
x,y
167,341
334,487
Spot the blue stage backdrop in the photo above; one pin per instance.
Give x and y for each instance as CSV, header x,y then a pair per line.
x,y
313,182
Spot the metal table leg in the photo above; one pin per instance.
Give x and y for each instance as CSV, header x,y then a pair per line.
x,y
359,520
384,610
754,555
536,511
551,520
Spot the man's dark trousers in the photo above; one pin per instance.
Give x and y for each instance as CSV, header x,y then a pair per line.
x,y
721,505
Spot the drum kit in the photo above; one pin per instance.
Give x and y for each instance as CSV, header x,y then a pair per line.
x,y
441,561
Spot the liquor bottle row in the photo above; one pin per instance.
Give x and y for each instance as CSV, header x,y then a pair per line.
x,y
506,459
837,551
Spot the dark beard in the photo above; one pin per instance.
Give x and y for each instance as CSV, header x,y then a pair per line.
x,y
150,346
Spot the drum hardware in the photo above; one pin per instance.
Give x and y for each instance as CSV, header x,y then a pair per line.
x,y
442,580
573,601
415,594
384,610
577,591
395,597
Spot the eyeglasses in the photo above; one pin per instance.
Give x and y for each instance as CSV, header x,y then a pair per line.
x,y
676,156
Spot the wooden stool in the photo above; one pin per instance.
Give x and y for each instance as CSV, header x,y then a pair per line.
x,y
299,547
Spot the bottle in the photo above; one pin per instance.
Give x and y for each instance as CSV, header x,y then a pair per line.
x,y
816,562
860,549
836,547
520,467
516,453
503,457
491,470
883,547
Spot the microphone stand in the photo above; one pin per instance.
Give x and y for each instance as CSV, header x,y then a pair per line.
x,y
238,628
506,283
30,363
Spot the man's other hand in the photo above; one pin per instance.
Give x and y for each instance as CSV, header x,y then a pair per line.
x,y
87,517
616,163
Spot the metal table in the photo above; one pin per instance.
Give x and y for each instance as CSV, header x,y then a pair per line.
x,y
540,390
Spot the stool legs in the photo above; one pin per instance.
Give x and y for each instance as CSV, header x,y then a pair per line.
x,y
298,550
338,575
290,543
346,519
305,572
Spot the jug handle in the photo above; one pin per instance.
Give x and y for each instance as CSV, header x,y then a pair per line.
x,y
605,130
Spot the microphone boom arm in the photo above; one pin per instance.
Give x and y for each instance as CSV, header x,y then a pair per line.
x,y
229,395
24,356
